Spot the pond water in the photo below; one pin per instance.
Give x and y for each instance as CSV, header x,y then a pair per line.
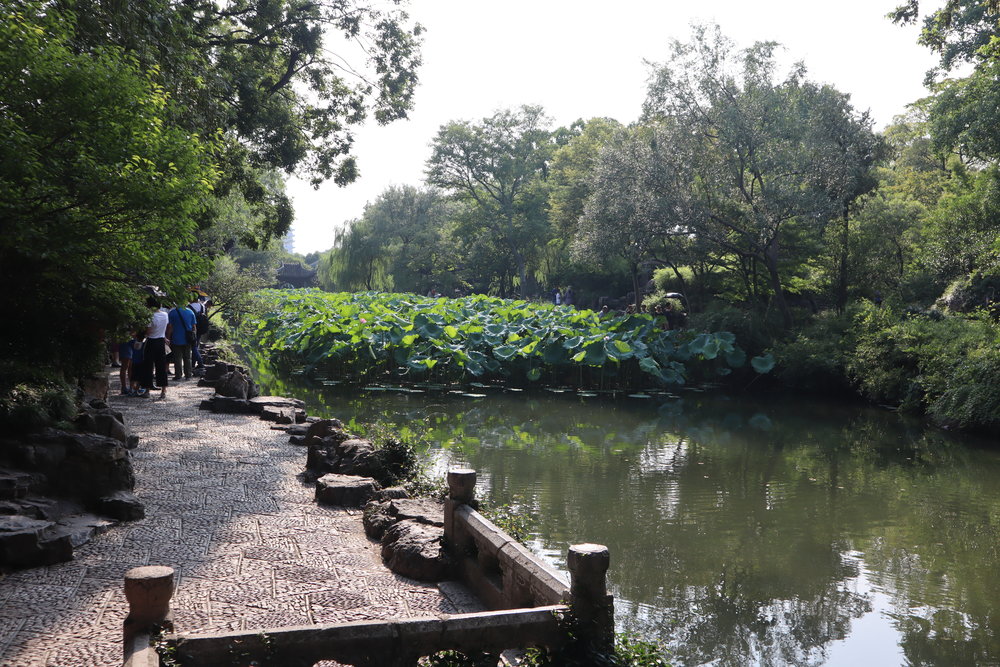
x,y
743,530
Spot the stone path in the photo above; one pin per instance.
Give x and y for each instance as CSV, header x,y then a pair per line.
x,y
225,508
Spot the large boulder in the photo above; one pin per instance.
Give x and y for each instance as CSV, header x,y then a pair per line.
x,y
78,465
227,405
379,516
345,490
106,421
94,386
121,505
32,542
415,550
234,384
338,452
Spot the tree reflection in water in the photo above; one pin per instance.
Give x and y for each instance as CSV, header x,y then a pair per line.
x,y
741,531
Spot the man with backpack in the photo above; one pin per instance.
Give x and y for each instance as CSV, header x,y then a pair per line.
x,y
183,337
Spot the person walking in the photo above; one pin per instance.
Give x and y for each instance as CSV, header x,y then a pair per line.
x,y
155,354
200,311
183,335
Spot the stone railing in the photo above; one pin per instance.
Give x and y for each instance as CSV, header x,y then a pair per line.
x,y
526,595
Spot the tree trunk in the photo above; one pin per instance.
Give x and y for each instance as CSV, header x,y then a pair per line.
x,y
771,262
634,267
842,269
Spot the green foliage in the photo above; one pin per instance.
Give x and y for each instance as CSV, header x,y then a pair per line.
x,y
399,243
395,458
579,651
99,189
918,361
494,165
815,358
512,518
372,337
27,407
751,161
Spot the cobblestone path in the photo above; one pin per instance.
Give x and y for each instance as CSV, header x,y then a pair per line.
x,y
225,509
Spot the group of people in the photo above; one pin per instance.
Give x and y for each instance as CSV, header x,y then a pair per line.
x,y
561,298
172,332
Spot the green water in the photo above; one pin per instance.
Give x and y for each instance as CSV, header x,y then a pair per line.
x,y
743,531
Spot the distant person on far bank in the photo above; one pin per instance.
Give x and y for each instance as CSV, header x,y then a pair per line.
x,y
568,297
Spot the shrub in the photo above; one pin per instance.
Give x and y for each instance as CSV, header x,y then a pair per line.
x,y
395,457
32,397
816,358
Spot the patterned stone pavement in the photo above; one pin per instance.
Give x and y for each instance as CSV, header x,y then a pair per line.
x,y
225,508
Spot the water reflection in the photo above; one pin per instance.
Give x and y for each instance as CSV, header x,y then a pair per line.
x,y
742,532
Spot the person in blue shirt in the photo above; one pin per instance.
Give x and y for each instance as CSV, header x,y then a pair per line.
x,y
183,334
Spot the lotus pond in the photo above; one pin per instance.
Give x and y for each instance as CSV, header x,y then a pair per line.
x,y
406,338
743,531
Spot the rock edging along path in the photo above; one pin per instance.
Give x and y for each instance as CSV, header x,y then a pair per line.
x,y
226,509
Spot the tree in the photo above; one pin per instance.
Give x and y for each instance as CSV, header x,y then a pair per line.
x,y
493,164
398,244
639,199
99,188
773,160
961,31
279,82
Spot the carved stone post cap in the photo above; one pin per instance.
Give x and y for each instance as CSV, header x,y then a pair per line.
x,y
148,572
148,591
588,558
461,484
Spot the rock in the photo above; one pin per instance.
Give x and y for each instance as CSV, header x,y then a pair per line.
x,y
93,387
233,384
349,457
227,405
297,429
33,507
281,415
16,484
324,428
28,542
377,519
345,490
104,422
415,550
80,528
121,505
297,440
215,372
382,513
392,493
426,511
261,402
74,465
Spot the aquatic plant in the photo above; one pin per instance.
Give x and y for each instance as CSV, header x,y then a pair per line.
x,y
397,338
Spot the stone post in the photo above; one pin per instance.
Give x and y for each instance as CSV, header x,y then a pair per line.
x,y
590,602
461,491
148,591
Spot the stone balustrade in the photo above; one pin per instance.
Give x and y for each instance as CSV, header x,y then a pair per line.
x,y
527,598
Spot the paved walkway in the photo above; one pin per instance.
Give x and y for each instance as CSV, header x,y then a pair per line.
x,y
225,509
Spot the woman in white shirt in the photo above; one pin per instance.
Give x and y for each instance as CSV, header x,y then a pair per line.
x,y
156,349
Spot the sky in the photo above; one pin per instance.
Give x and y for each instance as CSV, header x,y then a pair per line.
x,y
584,59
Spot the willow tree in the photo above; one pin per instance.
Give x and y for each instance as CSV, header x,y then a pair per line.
x,y
773,157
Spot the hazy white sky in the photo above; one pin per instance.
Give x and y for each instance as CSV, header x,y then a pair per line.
x,y
581,59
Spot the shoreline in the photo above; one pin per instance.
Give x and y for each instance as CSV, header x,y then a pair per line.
x,y
225,507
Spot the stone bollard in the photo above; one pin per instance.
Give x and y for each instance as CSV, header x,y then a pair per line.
x,y
592,606
148,591
461,491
